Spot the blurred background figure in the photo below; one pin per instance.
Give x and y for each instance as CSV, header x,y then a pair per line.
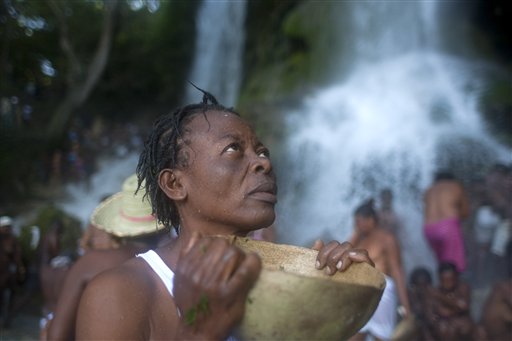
x,y
94,238
496,318
445,206
449,313
388,219
420,288
12,270
485,223
55,262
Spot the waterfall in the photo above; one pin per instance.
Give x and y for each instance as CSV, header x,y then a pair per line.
x,y
81,199
405,109
217,66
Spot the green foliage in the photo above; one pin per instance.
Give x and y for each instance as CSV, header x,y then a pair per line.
x,y
496,105
201,308
292,49
267,52
149,60
21,158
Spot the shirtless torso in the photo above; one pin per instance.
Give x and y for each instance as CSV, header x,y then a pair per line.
x,y
445,199
384,251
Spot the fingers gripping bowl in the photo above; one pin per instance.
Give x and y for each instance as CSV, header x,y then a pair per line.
x,y
292,300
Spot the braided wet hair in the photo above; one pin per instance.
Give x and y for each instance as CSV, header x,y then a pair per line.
x,y
163,149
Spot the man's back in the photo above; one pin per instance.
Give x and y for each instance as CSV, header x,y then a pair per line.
x,y
443,200
445,206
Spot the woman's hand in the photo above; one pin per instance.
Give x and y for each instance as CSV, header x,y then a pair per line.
x,y
211,284
334,256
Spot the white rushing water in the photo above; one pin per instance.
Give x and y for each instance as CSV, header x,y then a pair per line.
x,y
217,66
405,110
82,199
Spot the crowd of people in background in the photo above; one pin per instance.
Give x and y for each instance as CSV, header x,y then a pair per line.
x,y
467,226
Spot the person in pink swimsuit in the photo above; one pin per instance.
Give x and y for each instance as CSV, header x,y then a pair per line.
x,y
445,206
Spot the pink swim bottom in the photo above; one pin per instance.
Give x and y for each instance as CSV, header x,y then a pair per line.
x,y
445,239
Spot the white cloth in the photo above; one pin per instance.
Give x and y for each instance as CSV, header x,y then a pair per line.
x,y
486,222
383,321
501,237
162,270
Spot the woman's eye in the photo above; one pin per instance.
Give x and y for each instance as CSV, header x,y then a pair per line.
x,y
234,147
264,153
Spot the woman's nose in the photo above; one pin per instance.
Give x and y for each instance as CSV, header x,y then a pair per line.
x,y
261,164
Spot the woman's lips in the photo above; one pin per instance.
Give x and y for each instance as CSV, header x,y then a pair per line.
x,y
265,192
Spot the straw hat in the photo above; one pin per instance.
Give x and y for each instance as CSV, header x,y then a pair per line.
x,y
126,214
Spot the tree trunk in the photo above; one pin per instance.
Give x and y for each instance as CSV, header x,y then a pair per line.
x,y
80,87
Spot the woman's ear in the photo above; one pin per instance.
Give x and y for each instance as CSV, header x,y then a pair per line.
x,y
169,182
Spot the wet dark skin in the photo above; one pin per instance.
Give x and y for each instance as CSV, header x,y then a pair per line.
x,y
227,188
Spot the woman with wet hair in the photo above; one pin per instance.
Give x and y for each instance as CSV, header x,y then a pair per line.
x,y
206,174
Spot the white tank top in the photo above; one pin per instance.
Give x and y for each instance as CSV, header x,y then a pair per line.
x,y
161,269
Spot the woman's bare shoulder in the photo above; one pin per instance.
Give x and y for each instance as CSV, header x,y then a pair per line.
x,y
104,306
133,274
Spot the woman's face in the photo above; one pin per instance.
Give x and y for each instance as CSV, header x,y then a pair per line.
x,y
364,224
229,182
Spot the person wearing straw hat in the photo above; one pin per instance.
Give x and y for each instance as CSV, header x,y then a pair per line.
x,y
127,217
206,174
94,238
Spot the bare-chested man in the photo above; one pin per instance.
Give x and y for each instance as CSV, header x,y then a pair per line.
x,y
129,223
445,206
383,248
449,311
206,174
